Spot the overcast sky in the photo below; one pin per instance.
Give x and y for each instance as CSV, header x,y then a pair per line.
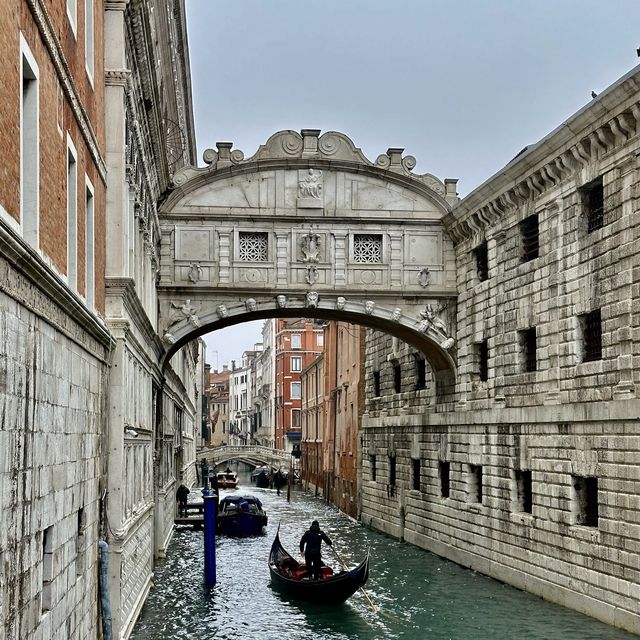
x,y
462,85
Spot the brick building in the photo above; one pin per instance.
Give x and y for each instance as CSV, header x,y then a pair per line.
x,y
218,405
313,421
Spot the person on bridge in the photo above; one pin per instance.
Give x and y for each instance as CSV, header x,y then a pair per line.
x,y
310,544
181,497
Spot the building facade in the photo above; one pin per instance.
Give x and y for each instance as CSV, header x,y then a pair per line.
x,y
313,424
525,471
218,403
241,404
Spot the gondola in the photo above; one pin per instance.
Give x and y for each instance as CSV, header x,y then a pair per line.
x,y
291,578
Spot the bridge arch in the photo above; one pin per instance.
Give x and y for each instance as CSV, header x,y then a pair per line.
x,y
308,227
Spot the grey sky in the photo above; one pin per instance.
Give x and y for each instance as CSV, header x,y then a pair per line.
x,y
462,85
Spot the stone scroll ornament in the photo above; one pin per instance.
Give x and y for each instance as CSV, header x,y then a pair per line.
x,y
311,247
430,319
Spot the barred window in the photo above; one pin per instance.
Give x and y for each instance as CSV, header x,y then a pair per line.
x,y
482,261
367,248
253,247
591,325
593,204
529,235
482,353
529,349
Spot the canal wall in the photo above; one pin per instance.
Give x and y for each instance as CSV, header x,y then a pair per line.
x,y
527,468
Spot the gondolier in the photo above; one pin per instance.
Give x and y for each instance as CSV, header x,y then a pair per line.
x,y
310,544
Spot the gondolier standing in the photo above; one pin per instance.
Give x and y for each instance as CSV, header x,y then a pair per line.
x,y
310,544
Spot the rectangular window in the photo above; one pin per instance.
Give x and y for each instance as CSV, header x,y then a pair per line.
x,y
481,254
47,568
482,353
585,500
29,148
524,495
529,350
254,247
529,236
296,341
295,418
80,541
592,196
591,327
72,216
397,378
421,373
367,248
416,474
376,384
474,483
392,471
444,470
89,250
320,340
296,363
372,466
296,390
88,37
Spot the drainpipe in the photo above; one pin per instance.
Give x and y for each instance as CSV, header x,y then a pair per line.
x,y
103,553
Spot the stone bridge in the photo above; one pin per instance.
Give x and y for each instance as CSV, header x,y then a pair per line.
x,y
309,227
251,454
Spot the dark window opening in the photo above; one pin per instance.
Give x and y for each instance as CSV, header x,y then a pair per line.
x,y
372,466
392,471
592,335
475,483
444,469
483,359
586,500
416,474
530,238
593,204
47,567
482,261
397,378
529,349
421,373
376,384
524,494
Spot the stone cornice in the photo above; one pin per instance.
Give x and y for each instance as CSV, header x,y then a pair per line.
x,y
602,126
43,21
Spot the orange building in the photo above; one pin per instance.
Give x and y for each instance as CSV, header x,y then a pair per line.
x,y
313,397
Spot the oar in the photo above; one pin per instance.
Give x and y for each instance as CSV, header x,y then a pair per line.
x,y
364,593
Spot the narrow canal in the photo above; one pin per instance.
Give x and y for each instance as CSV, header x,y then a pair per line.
x,y
420,595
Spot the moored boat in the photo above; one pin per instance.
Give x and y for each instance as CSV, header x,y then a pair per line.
x,y
291,578
240,516
227,480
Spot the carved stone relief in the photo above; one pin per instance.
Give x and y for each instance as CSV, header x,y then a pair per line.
x,y
312,299
310,246
310,189
430,319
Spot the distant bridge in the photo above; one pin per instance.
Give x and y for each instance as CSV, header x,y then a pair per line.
x,y
251,454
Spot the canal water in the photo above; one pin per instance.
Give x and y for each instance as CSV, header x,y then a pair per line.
x,y
419,595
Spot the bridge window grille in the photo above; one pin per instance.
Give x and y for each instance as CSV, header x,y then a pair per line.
x,y
444,471
591,324
482,261
524,494
416,474
593,204
529,349
474,493
421,373
482,352
529,234
585,494
367,248
376,384
254,247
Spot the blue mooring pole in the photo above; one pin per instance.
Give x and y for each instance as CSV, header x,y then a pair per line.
x,y
210,504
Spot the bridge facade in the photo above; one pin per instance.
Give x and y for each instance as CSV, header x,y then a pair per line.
x,y
251,454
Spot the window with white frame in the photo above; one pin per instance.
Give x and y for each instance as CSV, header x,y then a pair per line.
x,y
296,363
88,37
296,390
320,340
72,13
72,215
89,249
296,341
29,147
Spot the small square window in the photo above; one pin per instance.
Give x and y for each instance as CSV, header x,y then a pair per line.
x,y
474,483
591,326
524,496
482,354
254,247
585,500
296,341
529,349
529,235
296,364
367,248
296,390
444,471
481,254
592,196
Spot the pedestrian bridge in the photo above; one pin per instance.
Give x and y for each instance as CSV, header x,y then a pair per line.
x,y
251,454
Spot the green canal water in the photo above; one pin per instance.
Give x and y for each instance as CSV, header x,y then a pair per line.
x,y
420,595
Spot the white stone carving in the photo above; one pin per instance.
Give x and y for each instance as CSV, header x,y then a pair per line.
x,y
340,302
182,312
430,320
310,185
251,304
312,275
169,338
281,301
195,272
369,306
395,316
424,278
312,299
222,311
311,247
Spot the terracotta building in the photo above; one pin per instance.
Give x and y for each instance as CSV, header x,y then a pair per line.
x,y
313,419
218,407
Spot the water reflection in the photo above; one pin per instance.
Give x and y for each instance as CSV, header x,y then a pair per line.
x,y
419,594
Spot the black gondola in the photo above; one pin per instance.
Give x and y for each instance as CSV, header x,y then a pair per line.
x,y
291,578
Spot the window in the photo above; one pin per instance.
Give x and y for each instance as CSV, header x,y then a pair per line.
x,y
444,470
72,216
421,373
296,363
392,471
367,248
529,236
295,418
592,196
372,466
296,341
591,327
528,345
524,496
72,13
474,484
47,568
80,541
376,384
585,500
397,378
89,241
320,340
415,476
29,147
296,390
481,254
482,353
254,247
88,37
